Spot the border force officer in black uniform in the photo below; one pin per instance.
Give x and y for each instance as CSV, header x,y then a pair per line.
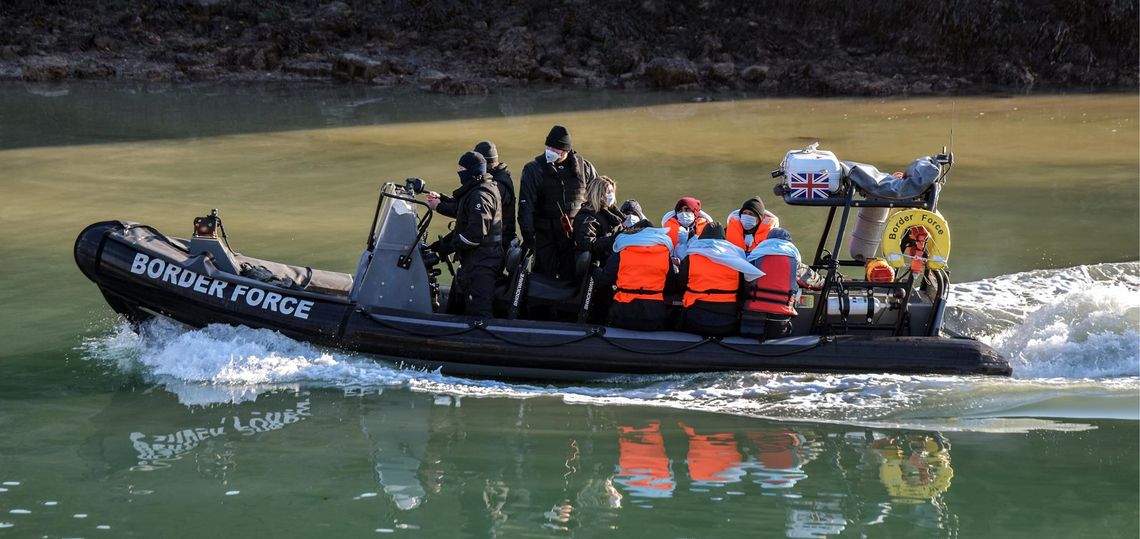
x,y
476,239
552,190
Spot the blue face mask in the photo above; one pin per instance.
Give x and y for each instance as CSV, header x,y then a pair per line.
x,y
552,156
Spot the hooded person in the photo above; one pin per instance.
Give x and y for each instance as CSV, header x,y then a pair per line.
x,y
551,192
712,272
476,239
446,206
631,213
749,225
685,222
770,301
640,271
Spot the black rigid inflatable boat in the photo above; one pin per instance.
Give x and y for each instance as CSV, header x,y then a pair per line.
x,y
391,308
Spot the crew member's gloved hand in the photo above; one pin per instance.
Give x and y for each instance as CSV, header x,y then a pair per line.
x,y
528,243
437,246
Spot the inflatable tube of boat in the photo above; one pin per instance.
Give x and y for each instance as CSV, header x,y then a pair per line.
x,y
937,243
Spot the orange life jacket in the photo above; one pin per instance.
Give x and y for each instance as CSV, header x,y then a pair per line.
x,y
710,281
775,291
674,227
641,273
734,232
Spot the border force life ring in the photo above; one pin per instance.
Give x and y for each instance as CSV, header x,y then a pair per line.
x,y
898,227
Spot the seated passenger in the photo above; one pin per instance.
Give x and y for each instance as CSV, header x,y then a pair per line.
x,y
631,213
770,302
641,269
749,225
599,221
685,222
712,272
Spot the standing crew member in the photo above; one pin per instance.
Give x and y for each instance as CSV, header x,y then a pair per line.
x,y
476,238
685,222
553,188
642,271
771,301
712,273
749,225
446,205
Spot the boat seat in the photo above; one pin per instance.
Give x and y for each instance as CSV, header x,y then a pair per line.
x,y
512,259
544,288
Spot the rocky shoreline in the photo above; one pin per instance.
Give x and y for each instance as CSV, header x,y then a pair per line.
x,y
766,47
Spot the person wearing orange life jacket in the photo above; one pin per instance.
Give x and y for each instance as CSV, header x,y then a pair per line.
x,y
685,222
749,225
642,271
712,271
770,302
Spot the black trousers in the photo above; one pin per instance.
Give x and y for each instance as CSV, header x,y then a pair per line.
x,y
553,250
473,292
765,326
639,314
711,319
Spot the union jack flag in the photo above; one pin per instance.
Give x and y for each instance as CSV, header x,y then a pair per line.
x,y
809,184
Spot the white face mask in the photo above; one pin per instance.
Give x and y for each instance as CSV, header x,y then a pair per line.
x,y
686,218
630,220
552,156
749,221
611,198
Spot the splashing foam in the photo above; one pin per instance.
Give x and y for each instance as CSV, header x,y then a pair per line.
x,y
1084,344
1080,322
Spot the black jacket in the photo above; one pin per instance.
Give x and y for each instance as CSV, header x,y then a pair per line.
x,y
478,220
548,190
502,176
595,232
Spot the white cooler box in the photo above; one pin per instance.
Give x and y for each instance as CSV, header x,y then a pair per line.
x,y
811,173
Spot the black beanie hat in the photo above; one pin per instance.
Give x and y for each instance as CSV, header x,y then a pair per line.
x,y
474,164
712,231
754,205
488,150
632,206
559,138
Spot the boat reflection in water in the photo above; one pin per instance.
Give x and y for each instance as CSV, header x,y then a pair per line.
x,y
507,467
594,462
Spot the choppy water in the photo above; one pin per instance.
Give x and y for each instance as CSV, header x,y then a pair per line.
x,y
235,432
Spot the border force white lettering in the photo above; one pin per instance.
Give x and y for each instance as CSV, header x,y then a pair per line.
x,y
159,270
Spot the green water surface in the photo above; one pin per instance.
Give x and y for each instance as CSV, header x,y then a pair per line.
x,y
1040,182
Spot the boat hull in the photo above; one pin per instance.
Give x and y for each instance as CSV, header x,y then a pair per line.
x,y
132,266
